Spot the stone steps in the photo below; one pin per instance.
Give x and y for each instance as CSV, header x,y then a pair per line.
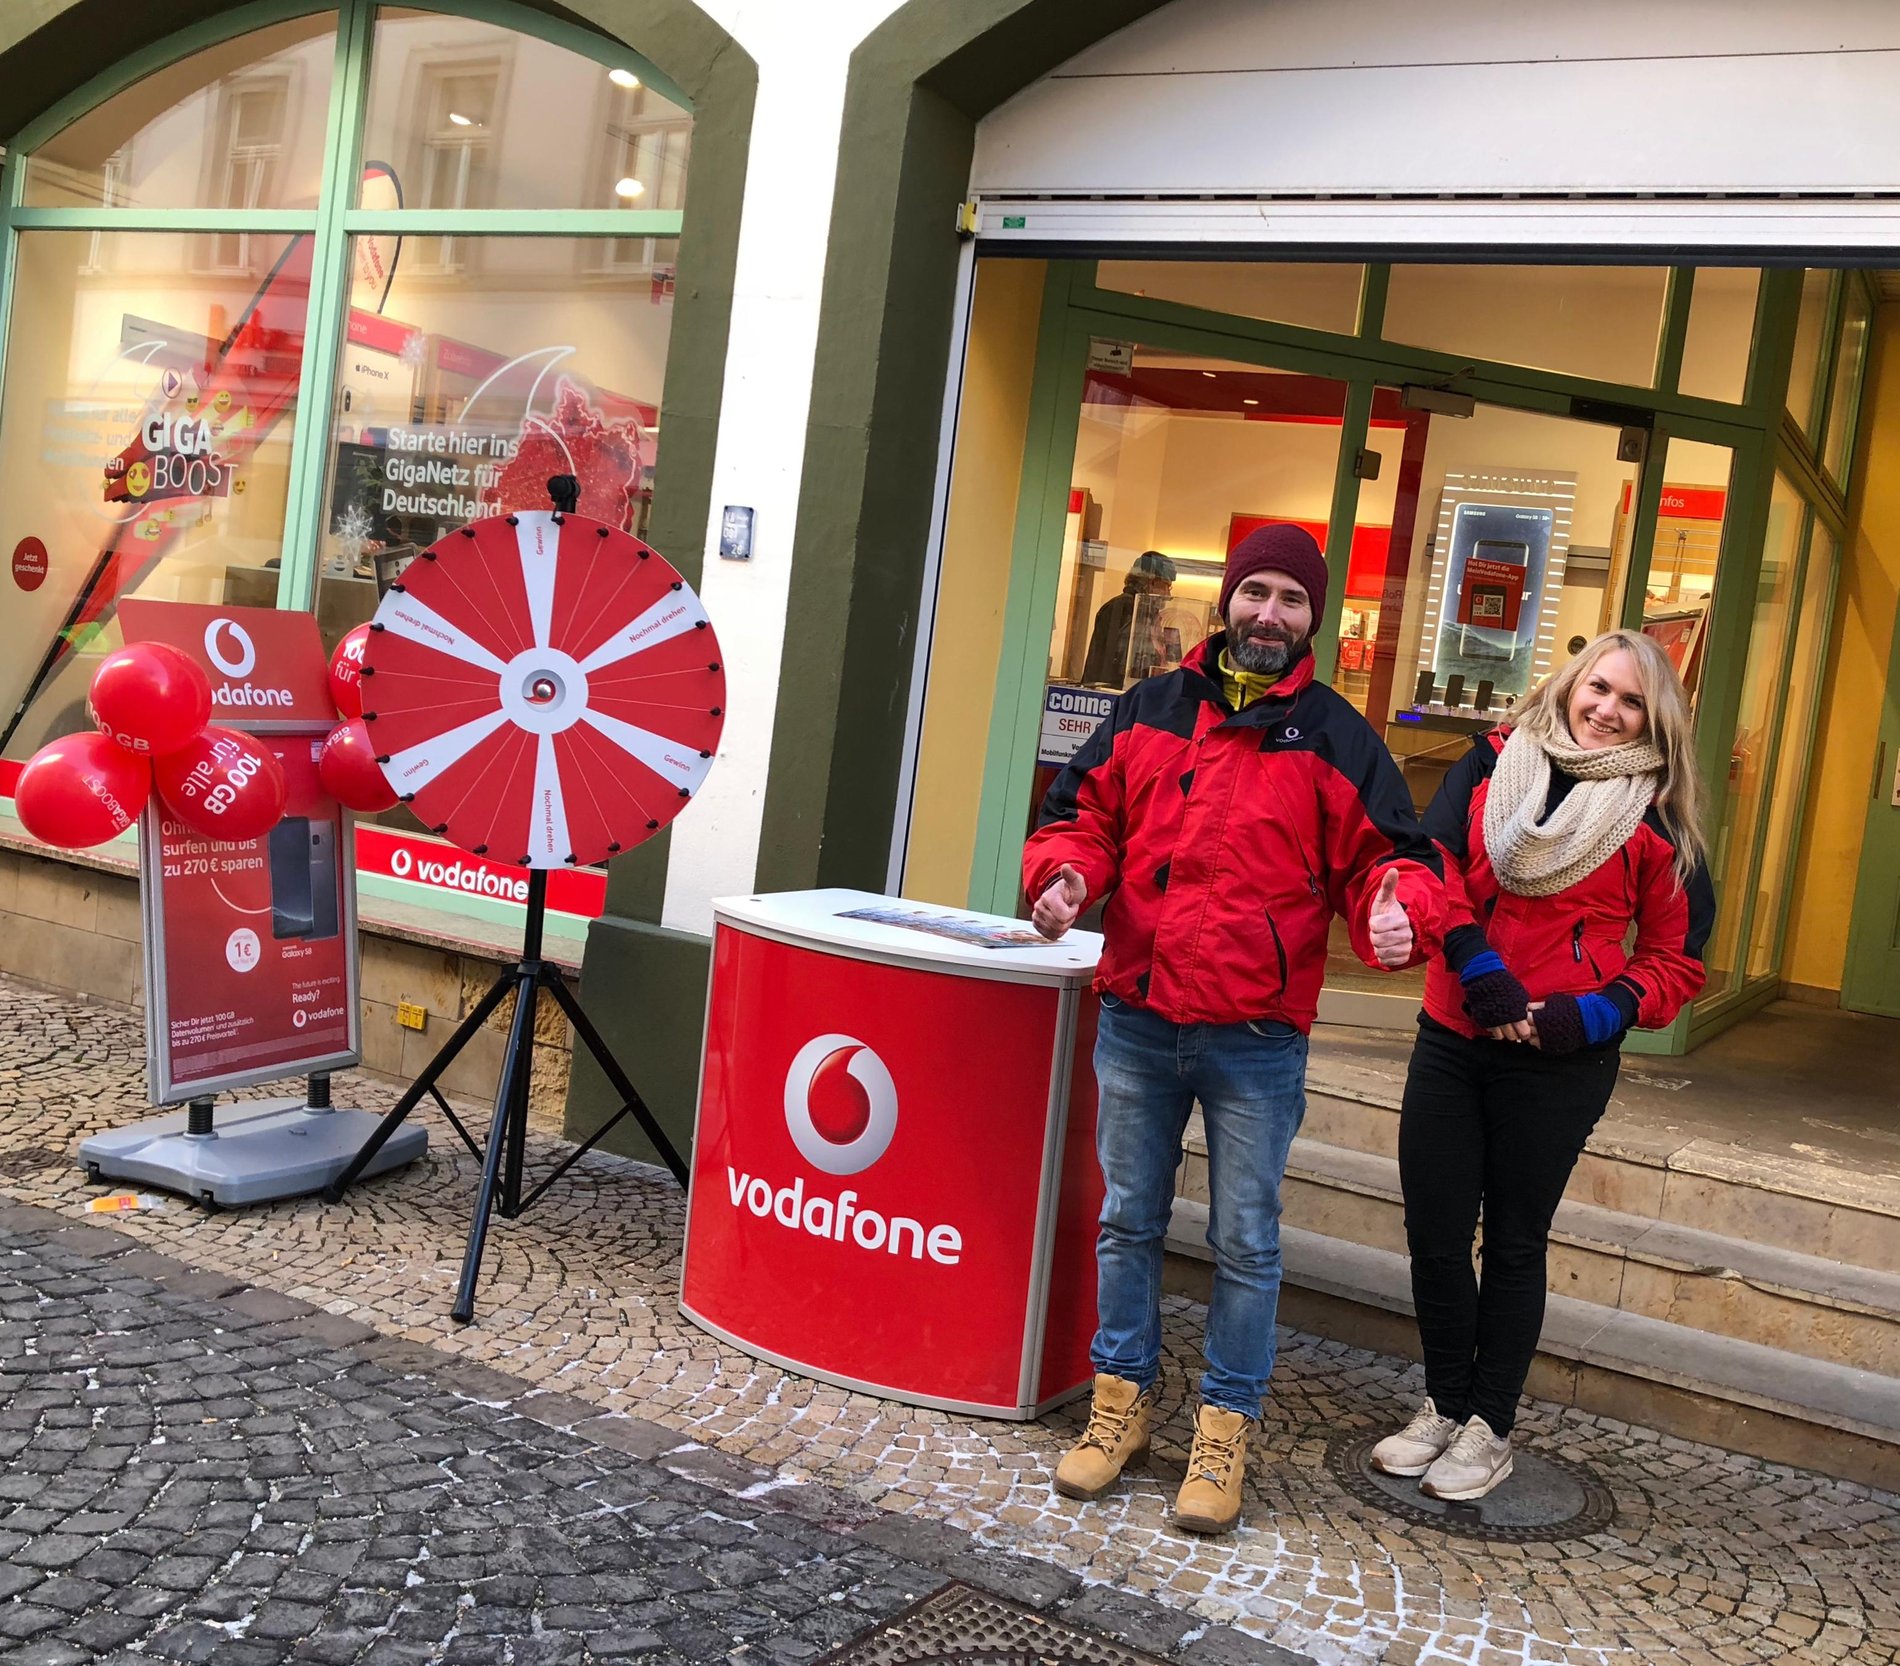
x,y
1810,1208
1651,1318
1742,1395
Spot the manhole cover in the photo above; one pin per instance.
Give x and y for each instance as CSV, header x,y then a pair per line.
x,y
21,1162
1545,1498
959,1626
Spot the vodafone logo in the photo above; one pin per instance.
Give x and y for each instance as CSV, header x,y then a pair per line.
x,y
840,1104
245,661
841,1111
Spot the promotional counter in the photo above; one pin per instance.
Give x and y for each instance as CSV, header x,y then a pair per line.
x,y
894,1177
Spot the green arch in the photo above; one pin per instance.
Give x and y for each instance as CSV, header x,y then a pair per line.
x,y
918,85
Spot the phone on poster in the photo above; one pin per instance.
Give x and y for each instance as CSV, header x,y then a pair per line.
x,y
291,900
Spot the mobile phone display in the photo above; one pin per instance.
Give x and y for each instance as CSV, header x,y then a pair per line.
x,y
324,890
1494,582
290,897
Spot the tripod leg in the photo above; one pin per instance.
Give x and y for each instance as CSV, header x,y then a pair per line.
x,y
610,1067
425,1083
517,1134
517,1060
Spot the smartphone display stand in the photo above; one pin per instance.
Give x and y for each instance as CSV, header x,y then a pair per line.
x,y
250,1151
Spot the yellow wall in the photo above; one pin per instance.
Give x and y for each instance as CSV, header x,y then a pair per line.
x,y
1850,714
978,537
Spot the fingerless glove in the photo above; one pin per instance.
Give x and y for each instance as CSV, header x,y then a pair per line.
x,y
1493,997
1566,1023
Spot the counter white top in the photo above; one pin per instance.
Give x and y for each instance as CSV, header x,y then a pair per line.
x,y
821,918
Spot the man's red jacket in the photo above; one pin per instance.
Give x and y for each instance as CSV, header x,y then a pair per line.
x,y
1226,841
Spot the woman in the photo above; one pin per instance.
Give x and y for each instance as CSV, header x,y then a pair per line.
x,y
1560,834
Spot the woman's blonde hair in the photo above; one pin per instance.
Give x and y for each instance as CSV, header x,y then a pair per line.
x,y
1670,729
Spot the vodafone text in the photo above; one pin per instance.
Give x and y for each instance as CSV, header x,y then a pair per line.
x,y
823,1218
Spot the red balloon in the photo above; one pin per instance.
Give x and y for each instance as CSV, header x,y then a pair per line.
x,y
350,772
346,673
81,790
223,784
150,698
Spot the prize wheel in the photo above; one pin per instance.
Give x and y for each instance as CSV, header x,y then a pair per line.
x,y
542,689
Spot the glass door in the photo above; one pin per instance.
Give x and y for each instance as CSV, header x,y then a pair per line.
x,y
1178,456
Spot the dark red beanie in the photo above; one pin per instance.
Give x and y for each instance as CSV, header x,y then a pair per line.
x,y
1277,549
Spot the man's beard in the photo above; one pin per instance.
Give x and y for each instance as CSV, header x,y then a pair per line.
x,y
1263,655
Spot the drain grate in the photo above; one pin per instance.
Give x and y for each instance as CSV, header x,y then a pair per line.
x,y
961,1626
1546,1499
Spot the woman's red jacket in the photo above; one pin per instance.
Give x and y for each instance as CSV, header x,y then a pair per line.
x,y
1630,929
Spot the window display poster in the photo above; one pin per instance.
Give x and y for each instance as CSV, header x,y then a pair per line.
x,y
1495,569
253,944
1069,717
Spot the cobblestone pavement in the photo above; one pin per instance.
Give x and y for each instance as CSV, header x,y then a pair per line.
x,y
1712,1558
202,1474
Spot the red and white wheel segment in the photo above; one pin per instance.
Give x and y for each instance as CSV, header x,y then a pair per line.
x,y
543,690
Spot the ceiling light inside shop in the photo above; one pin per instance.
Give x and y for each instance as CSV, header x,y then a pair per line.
x,y
623,78
461,120
1250,402
629,188
1208,374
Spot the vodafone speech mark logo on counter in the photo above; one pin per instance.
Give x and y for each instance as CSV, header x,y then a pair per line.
x,y
840,1104
841,1111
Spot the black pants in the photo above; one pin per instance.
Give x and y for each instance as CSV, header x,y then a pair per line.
x,y
1492,1128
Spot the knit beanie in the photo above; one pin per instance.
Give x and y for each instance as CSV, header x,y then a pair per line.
x,y
1277,549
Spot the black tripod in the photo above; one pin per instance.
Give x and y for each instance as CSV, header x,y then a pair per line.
x,y
507,1133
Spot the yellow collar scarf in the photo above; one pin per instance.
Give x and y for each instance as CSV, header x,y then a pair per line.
x,y
1242,688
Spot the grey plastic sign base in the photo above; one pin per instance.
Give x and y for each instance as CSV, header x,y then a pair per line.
x,y
259,1150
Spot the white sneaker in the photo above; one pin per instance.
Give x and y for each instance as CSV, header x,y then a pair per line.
x,y
1475,1462
1412,1449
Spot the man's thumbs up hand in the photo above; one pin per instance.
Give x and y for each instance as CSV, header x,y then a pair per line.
x,y
1062,900
1390,925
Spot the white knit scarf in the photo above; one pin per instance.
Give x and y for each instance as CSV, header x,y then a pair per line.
x,y
1533,857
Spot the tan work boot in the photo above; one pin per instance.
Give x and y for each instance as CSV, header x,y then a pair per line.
x,y
1117,1432
1209,1499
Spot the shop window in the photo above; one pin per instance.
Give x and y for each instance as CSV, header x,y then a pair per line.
x,y
1810,333
1599,322
1771,623
251,122
1311,295
1850,359
1788,791
470,115
1684,553
452,165
145,438
238,125
456,401
1721,332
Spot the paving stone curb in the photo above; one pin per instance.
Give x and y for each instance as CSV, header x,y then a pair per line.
x,y
898,1550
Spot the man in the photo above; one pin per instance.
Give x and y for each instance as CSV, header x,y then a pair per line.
x,y
1123,642
1227,810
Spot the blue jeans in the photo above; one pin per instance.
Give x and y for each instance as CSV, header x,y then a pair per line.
x,y
1250,1080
